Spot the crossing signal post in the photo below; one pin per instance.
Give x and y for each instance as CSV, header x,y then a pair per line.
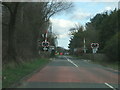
x,y
45,45
94,47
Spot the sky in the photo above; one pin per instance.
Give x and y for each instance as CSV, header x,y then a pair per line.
x,y
79,14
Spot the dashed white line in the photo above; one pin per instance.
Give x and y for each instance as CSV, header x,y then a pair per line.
x,y
110,86
72,62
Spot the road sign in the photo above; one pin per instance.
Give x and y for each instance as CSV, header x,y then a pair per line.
x,y
45,44
94,47
45,49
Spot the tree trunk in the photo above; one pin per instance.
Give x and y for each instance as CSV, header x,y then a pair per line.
x,y
11,53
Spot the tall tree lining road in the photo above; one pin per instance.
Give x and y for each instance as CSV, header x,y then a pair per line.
x,y
67,72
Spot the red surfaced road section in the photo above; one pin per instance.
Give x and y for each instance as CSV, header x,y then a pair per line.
x,y
73,74
56,74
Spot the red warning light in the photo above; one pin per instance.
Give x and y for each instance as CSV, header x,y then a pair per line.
x,y
61,53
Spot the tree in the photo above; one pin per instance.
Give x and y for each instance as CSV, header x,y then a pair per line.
x,y
27,22
111,48
101,29
106,26
13,8
77,37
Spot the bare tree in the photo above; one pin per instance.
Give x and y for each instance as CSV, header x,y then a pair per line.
x,y
52,8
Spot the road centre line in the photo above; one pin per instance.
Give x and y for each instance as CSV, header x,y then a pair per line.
x,y
72,62
110,86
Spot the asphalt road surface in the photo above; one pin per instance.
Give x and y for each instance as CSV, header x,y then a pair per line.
x,y
68,72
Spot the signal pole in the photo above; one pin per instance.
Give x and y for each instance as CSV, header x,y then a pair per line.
x,y
84,46
46,35
45,43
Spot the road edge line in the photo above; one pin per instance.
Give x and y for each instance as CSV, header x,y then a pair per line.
x,y
110,86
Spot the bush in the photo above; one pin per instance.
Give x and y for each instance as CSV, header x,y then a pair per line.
x,y
111,48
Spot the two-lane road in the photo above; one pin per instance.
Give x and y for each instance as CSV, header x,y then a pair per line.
x,y
67,72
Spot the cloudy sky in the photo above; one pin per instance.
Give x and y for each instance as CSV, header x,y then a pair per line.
x,y
81,13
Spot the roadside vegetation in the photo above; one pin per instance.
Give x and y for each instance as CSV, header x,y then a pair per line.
x,y
101,59
102,29
24,27
112,65
13,73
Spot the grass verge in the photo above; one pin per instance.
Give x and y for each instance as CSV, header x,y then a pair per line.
x,y
102,60
113,65
12,73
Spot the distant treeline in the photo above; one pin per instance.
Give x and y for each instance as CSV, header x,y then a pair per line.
x,y
103,28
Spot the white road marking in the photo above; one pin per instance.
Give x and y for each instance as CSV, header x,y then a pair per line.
x,y
110,86
72,62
